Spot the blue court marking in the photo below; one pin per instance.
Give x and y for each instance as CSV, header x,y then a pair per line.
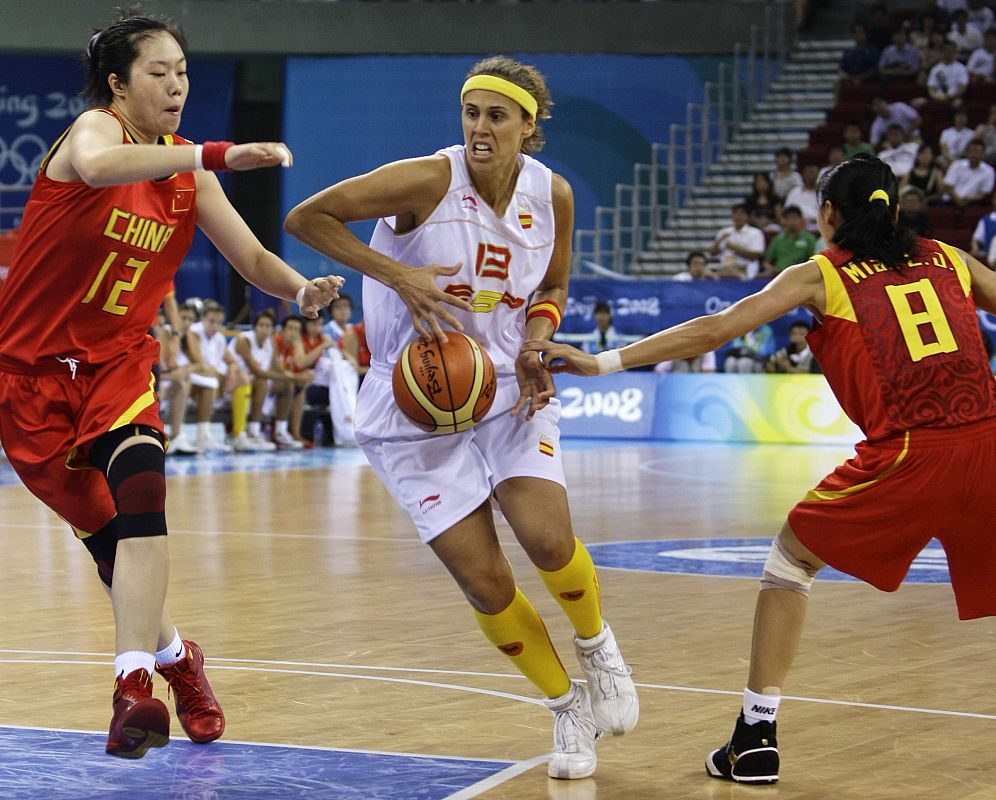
x,y
57,764
735,558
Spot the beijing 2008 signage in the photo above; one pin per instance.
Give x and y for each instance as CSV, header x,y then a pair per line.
x,y
618,406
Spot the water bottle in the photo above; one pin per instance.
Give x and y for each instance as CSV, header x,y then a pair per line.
x,y
318,433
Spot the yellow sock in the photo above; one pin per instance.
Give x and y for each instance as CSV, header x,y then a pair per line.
x,y
240,408
575,587
521,635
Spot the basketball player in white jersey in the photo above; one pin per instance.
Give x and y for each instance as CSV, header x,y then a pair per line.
x,y
504,222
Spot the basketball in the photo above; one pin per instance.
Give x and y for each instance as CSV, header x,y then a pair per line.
x,y
444,388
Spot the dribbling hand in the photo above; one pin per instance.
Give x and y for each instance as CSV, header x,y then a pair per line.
x,y
417,289
535,384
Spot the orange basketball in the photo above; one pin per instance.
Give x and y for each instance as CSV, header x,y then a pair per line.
x,y
444,388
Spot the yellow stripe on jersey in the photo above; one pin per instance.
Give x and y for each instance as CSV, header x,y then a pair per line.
x,y
815,494
838,301
961,268
136,408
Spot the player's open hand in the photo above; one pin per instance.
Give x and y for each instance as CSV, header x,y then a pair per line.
x,y
255,155
425,300
559,357
318,293
535,384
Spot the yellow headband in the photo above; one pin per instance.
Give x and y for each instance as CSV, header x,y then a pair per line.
x,y
879,194
493,83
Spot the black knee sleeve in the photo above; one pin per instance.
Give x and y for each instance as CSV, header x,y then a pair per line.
x,y
102,546
136,476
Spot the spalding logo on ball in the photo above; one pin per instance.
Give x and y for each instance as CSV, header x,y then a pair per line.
x,y
444,388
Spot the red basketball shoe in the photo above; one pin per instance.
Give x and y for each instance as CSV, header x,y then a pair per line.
x,y
196,707
140,721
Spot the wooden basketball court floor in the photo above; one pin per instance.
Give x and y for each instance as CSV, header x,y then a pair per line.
x,y
349,665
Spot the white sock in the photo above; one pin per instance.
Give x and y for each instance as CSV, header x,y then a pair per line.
x,y
172,652
203,430
255,429
760,707
281,427
127,663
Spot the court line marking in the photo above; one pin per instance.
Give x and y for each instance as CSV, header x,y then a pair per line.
x,y
505,775
471,689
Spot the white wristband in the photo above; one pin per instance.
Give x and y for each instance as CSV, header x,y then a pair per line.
x,y
609,361
299,298
198,161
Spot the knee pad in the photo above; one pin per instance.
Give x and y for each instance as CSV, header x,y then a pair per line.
x,y
102,547
133,460
783,571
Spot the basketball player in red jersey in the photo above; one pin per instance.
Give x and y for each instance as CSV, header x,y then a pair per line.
x,y
897,336
508,220
109,220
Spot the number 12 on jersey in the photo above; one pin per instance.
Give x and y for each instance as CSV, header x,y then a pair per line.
x,y
111,305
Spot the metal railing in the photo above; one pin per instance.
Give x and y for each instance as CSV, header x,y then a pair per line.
x,y
642,208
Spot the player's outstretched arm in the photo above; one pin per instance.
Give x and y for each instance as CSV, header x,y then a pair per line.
x,y
801,285
98,158
406,190
239,245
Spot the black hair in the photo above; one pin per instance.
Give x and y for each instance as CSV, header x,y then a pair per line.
x,y
267,313
602,306
866,227
112,51
342,296
792,210
295,318
693,254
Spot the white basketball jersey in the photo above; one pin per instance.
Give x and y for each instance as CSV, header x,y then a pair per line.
x,y
261,354
503,261
212,347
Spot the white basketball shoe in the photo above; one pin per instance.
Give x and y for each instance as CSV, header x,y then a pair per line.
x,y
574,735
614,703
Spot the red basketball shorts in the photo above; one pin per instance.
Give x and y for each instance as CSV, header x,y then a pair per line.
x,y
873,514
49,421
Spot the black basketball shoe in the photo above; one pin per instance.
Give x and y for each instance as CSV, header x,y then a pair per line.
x,y
751,755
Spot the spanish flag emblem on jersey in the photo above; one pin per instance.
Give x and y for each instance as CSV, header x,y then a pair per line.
x,y
525,216
546,446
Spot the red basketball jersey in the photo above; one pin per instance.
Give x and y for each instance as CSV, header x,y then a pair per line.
x,y
902,349
92,265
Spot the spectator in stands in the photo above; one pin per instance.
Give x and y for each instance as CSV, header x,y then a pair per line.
x,y
253,351
859,63
804,197
900,61
955,139
604,337
697,268
982,63
289,352
982,237
966,38
793,245
969,180
795,357
980,16
209,350
835,155
784,178
897,151
913,210
853,143
922,31
763,205
948,79
886,114
932,53
740,246
748,353
174,382
878,26
987,133
925,175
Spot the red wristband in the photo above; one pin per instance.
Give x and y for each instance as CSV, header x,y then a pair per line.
x,y
213,156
